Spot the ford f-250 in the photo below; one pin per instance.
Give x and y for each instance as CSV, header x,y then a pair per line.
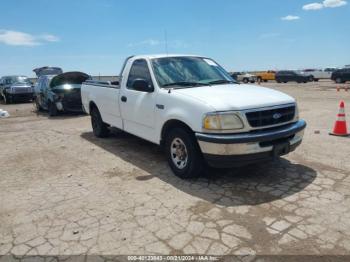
x,y
193,108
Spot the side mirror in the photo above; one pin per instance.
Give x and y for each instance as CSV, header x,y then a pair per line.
x,y
142,85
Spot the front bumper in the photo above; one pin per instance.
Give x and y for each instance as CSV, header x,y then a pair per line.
x,y
71,102
21,96
240,149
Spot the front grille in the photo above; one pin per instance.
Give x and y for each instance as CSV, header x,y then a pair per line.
x,y
20,90
72,100
270,117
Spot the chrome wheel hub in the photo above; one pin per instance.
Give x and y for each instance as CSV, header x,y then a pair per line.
x,y
178,152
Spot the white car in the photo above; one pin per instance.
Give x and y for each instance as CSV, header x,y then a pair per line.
x,y
317,74
193,108
244,77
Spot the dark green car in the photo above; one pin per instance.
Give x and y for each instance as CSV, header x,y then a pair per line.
x,y
59,92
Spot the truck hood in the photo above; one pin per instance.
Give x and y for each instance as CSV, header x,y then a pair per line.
x,y
69,78
14,85
236,97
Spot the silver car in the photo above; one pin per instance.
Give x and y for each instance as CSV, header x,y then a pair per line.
x,y
13,88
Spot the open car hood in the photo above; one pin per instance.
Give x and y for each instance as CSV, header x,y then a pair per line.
x,y
73,78
47,70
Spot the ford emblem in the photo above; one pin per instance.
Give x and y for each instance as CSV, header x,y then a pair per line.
x,y
277,116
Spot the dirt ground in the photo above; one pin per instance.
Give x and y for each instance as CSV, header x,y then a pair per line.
x,y
65,192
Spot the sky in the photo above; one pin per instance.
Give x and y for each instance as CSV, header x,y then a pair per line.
x,y
95,36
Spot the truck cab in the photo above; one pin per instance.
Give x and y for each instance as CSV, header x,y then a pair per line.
x,y
193,108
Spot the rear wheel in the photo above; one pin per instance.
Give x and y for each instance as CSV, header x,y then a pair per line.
x,y
52,109
246,80
311,79
183,154
99,128
338,80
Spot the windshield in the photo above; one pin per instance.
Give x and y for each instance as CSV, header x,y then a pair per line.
x,y
20,79
189,71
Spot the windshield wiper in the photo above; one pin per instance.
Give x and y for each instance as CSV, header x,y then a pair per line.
x,y
221,81
184,83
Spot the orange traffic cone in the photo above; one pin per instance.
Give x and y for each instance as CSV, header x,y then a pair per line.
x,y
340,128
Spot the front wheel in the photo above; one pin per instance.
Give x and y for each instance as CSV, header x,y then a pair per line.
x,y
7,99
246,80
184,156
52,109
99,128
37,104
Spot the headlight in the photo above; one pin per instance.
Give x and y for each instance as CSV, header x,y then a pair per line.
x,y
296,116
222,121
67,87
58,96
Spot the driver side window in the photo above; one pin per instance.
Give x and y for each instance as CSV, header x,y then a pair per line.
x,y
139,69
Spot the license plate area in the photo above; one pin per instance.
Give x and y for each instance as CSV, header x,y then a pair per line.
x,y
281,149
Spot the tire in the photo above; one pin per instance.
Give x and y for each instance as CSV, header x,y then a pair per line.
x,y
338,80
52,109
7,99
265,80
192,164
245,80
285,82
37,105
99,128
311,79
252,82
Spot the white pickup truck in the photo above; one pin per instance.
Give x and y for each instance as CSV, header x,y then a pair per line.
x,y
317,74
193,108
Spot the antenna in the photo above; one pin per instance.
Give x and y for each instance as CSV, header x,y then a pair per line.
x,y
166,41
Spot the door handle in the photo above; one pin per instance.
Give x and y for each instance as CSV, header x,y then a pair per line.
x,y
124,99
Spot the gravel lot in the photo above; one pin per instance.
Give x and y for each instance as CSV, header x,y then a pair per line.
x,y
65,192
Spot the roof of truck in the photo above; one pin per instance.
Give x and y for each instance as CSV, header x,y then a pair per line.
x,y
161,56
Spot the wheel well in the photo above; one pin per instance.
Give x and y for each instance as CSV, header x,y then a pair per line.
x,y
91,106
172,124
